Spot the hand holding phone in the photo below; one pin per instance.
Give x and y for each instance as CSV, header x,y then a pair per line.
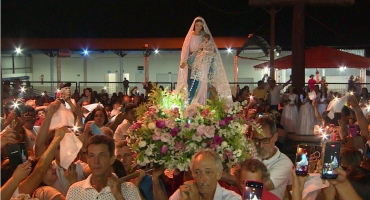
x,y
302,159
330,160
252,190
17,154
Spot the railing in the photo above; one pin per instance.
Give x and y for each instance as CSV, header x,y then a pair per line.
x,y
115,87
38,87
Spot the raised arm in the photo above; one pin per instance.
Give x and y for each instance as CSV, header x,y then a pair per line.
x,y
362,121
119,119
317,113
42,135
287,83
29,185
343,186
20,173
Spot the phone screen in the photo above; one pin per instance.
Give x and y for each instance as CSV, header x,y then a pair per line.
x,y
367,150
331,160
301,160
253,190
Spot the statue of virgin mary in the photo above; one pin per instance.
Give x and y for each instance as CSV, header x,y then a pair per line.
x,y
197,73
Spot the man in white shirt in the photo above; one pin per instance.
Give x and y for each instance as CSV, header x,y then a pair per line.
x,y
102,184
274,93
206,168
277,163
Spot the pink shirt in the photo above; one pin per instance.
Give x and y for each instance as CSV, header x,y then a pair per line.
x,y
311,83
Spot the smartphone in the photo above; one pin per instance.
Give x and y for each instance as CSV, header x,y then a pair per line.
x,y
352,129
367,150
330,160
301,159
17,154
252,190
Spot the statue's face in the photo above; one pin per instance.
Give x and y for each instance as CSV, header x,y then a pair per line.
x,y
65,92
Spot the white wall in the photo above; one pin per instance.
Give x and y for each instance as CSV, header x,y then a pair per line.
x,y
160,64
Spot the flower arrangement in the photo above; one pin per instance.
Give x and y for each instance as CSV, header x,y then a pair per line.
x,y
168,132
285,98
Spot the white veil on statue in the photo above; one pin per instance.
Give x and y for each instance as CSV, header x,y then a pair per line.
x,y
217,75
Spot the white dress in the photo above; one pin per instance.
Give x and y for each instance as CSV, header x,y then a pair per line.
x,y
321,103
306,119
289,118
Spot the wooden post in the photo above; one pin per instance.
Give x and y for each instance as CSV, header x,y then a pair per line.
x,y
298,47
235,74
272,41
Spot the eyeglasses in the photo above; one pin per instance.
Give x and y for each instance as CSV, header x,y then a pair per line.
x,y
258,141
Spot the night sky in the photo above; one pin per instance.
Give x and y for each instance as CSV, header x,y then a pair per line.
x,y
331,26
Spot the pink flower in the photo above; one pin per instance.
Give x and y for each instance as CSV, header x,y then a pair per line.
x,y
170,123
228,119
191,110
201,130
165,137
156,136
187,125
217,139
174,131
222,123
176,110
229,155
160,124
210,132
164,149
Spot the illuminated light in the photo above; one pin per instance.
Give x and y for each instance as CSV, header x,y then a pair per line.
x,y
86,52
335,98
324,136
156,51
342,68
18,50
105,88
368,107
277,54
351,93
58,90
23,89
251,97
42,93
229,50
75,128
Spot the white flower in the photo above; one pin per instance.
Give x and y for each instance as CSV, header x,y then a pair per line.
x,y
224,144
165,137
237,153
142,144
196,138
151,126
